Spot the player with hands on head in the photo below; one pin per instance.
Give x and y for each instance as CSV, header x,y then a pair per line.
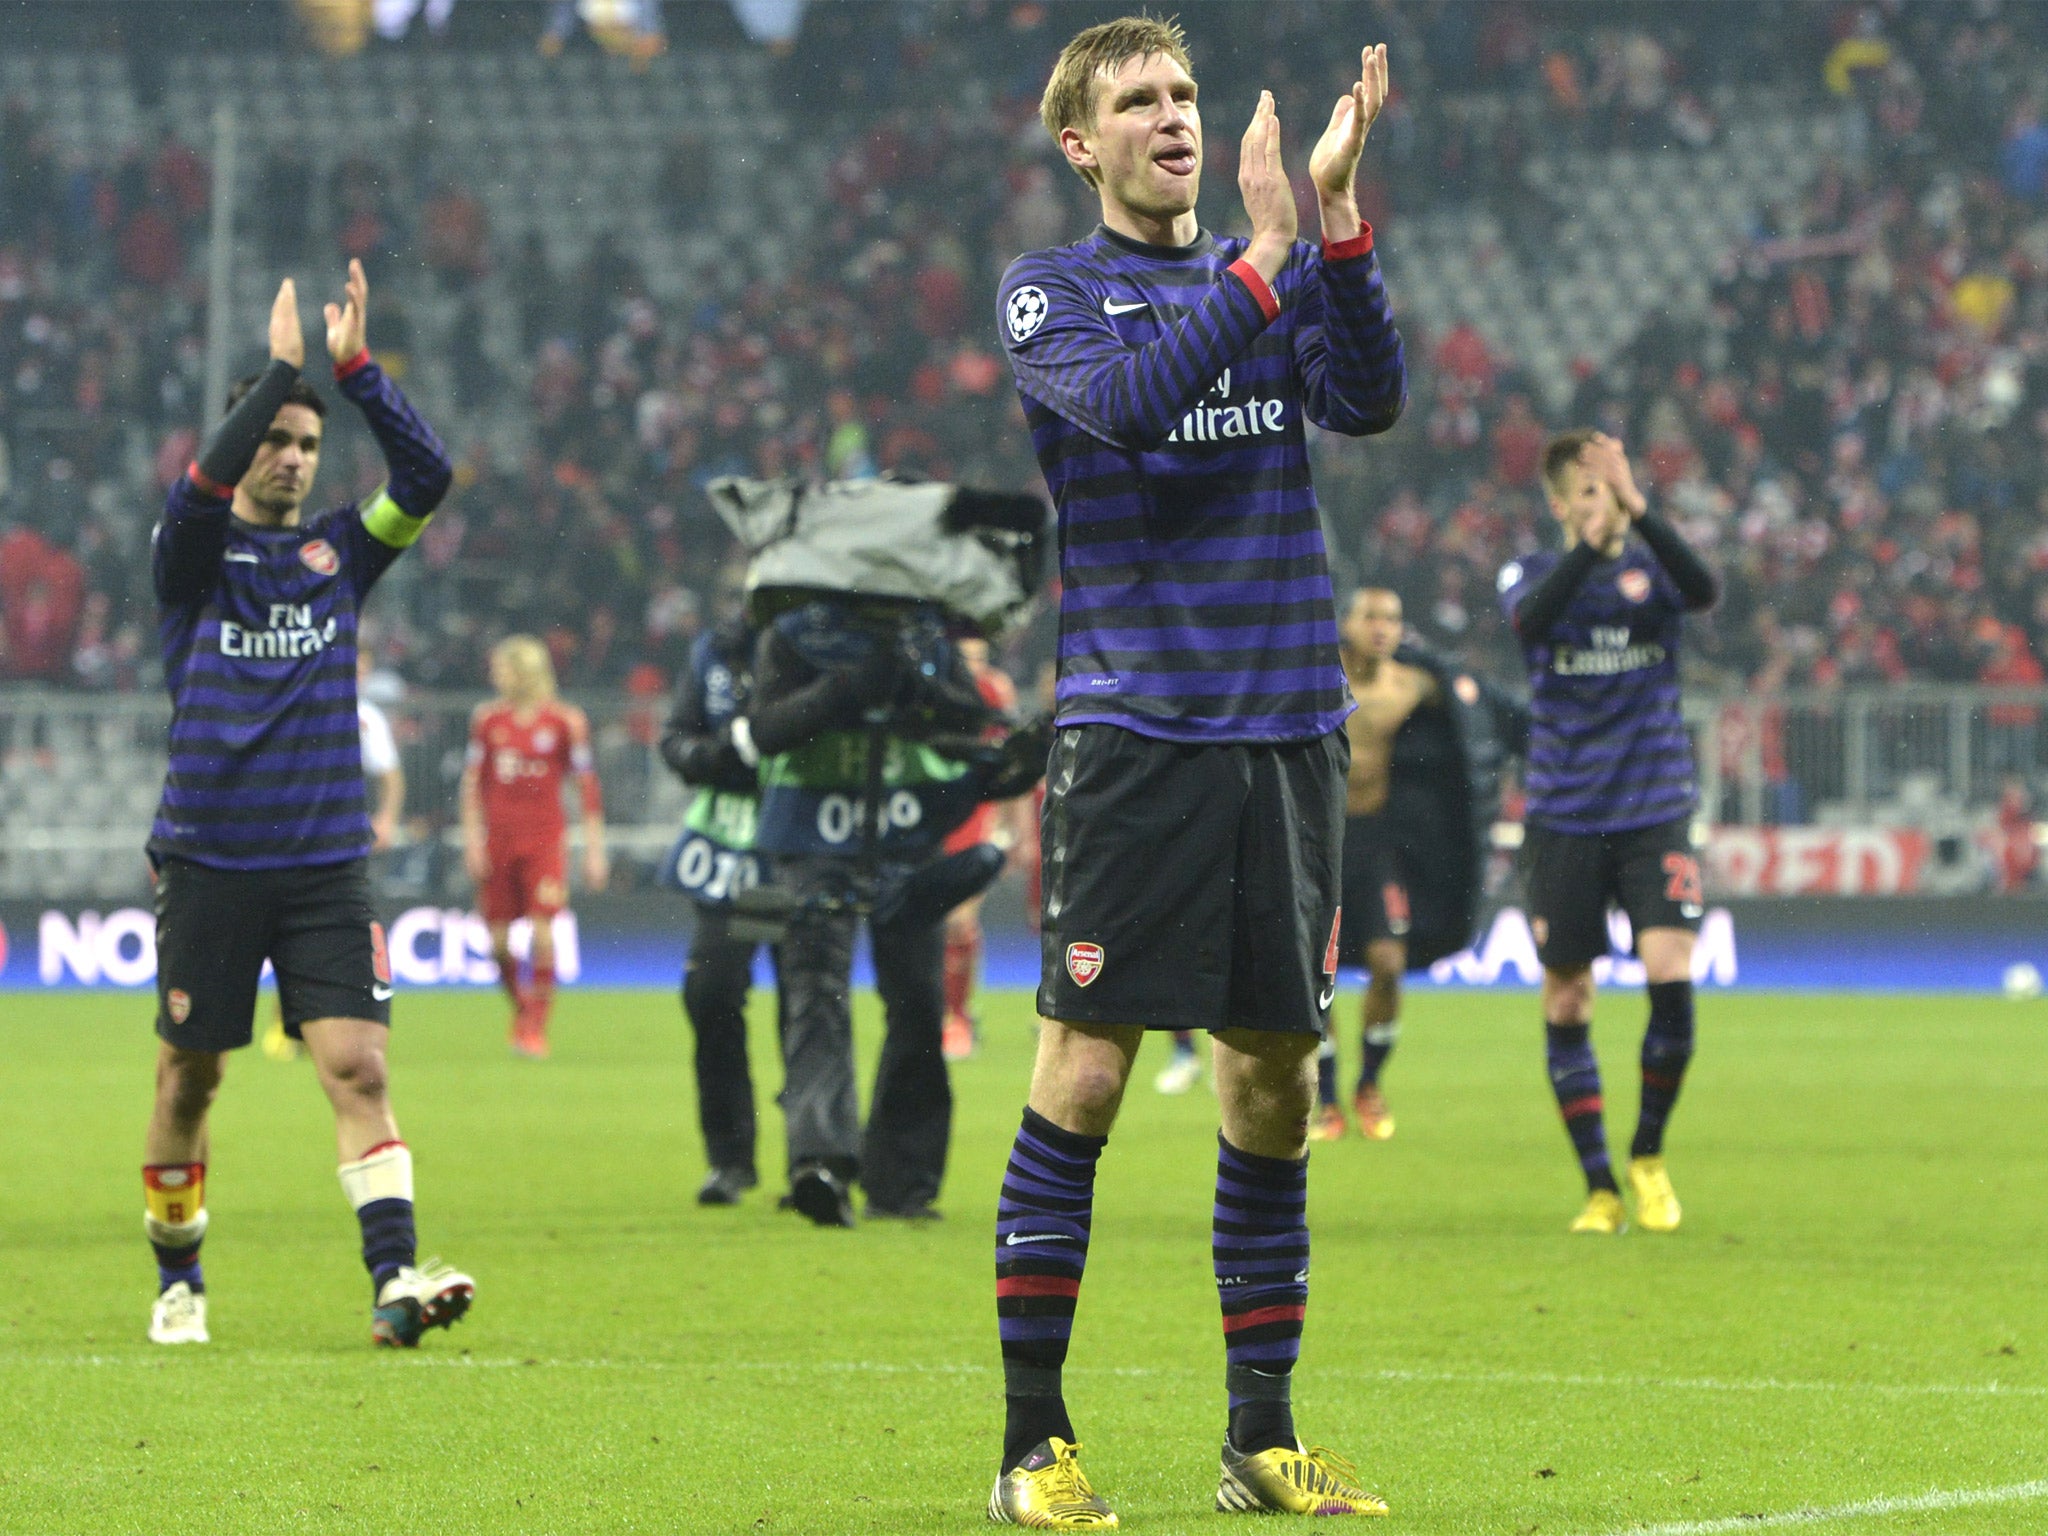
x,y
1194,811
259,843
1610,797
523,747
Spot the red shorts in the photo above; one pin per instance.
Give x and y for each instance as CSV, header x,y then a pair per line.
x,y
978,828
526,880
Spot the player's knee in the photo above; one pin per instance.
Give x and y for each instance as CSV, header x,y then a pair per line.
x,y
359,1074
1667,954
1568,994
187,1082
1091,1087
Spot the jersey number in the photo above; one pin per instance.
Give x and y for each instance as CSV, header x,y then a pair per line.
x,y
1682,880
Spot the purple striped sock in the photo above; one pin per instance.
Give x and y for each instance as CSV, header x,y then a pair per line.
x,y
1260,1245
1042,1221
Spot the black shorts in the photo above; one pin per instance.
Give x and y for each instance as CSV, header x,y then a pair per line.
x,y
1375,892
216,927
1649,872
1190,887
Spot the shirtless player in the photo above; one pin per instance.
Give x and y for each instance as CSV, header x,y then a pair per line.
x,y
1375,922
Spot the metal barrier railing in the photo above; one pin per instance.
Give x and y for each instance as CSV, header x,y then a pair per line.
x,y
79,773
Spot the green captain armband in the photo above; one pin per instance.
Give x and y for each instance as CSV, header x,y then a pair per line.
x,y
389,523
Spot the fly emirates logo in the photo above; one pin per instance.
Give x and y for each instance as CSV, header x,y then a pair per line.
x,y
1215,419
291,634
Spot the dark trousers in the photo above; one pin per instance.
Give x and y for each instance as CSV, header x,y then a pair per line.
x,y
901,1159
716,979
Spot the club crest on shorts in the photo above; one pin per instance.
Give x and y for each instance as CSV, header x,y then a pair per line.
x,y
1633,585
178,1004
319,557
1084,963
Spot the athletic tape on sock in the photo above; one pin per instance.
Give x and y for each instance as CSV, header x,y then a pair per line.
x,y
182,1234
382,1173
1382,1034
174,1194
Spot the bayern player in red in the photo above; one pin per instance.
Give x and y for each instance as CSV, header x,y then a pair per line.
x,y
515,835
990,823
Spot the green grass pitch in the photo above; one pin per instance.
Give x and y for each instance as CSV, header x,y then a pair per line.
x,y
1854,1313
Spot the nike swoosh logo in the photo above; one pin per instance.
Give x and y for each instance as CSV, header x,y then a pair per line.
x,y
1036,1237
381,994
1329,996
1111,307
245,559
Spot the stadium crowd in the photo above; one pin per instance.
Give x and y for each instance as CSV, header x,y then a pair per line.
x,y
1853,432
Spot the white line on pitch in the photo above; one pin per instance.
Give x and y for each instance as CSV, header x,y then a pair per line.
x,y
899,1368
1953,1498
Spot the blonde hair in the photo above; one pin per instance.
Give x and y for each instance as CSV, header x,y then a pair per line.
x,y
1069,99
532,668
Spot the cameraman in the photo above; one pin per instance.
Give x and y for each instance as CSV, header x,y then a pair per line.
x,y
712,865
850,696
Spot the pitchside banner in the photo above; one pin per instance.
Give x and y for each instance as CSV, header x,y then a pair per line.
x,y
639,940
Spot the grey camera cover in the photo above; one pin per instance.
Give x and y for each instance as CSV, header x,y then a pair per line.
x,y
879,538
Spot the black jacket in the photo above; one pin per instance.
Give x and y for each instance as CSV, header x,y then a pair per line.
x,y
697,743
1444,800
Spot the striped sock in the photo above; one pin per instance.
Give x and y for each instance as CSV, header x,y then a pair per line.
x,y
1575,1079
1379,1045
1260,1245
379,1185
1042,1220
1667,1047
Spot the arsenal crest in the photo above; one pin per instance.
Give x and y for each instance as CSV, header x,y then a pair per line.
x,y
1084,963
1634,585
320,558
178,1004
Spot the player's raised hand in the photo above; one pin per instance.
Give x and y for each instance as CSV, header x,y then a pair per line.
x,y
1262,182
1609,460
347,321
1334,163
287,337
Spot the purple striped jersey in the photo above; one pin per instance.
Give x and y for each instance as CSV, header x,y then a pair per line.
x,y
1168,391
1608,750
259,636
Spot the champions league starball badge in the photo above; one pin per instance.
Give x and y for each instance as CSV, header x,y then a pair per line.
x,y
1025,312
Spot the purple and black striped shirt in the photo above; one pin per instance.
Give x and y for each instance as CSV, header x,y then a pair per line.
x,y
1608,751
1168,391
259,638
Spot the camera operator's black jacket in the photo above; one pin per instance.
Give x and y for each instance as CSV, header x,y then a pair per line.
x,y
863,712
714,861
1444,799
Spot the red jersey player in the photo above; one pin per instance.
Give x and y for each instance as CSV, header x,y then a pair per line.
x,y
515,836
990,823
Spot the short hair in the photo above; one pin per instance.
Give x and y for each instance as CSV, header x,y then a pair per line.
x,y
1069,99
1562,452
530,663
301,393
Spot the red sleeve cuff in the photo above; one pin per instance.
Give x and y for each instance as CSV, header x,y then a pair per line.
x,y
208,487
1261,290
355,364
1344,250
